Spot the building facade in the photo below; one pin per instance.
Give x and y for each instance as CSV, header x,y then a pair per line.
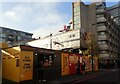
x,y
93,28
12,36
96,19
61,41
115,12
108,35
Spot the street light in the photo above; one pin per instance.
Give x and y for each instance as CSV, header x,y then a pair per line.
x,y
91,46
50,41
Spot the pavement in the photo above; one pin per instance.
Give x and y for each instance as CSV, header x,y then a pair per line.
x,y
113,77
71,79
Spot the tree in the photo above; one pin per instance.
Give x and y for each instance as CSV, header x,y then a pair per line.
x,y
92,45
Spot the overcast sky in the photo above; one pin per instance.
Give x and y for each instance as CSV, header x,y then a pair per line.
x,y
39,18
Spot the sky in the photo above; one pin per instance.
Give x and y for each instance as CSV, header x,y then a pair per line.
x,y
37,17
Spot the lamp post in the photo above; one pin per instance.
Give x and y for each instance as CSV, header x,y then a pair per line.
x,y
91,52
92,59
50,41
91,45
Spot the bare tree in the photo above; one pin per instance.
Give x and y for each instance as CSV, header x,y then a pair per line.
x,y
91,45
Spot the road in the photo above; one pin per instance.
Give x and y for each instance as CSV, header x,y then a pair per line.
x,y
107,75
111,77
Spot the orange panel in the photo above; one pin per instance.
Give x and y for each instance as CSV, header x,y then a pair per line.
x,y
65,64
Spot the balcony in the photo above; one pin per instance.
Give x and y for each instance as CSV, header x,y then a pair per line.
x,y
103,47
102,37
104,55
101,19
98,11
102,28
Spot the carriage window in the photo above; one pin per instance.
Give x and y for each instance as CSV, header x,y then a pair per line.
x,y
48,60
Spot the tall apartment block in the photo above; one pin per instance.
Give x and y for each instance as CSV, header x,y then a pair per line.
x,y
115,12
95,19
13,36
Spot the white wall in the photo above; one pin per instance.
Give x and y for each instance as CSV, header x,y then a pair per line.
x,y
41,43
69,39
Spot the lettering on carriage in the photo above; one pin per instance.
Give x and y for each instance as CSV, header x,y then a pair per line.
x,y
64,62
26,62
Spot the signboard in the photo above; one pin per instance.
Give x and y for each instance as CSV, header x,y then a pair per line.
x,y
65,64
26,65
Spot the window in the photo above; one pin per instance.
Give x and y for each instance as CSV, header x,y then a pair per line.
x,y
76,22
22,33
48,60
99,42
29,36
18,38
100,15
77,18
77,8
73,35
101,24
2,40
2,35
102,42
103,52
0,29
14,32
10,36
101,19
77,13
8,30
101,33
76,26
